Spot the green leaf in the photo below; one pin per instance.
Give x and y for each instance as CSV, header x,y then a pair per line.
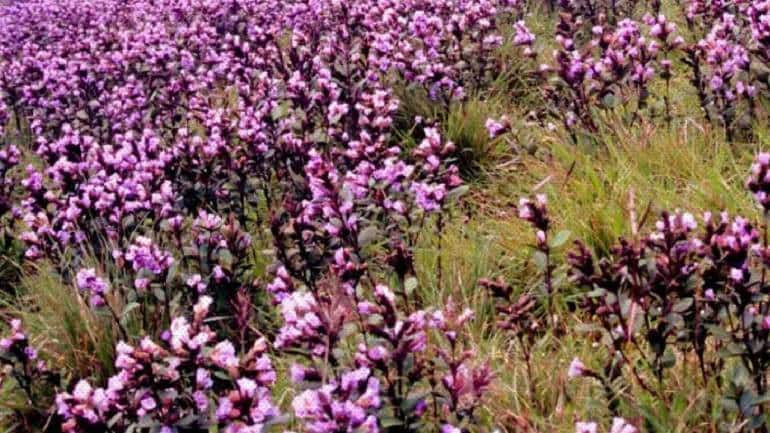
x,y
173,271
595,293
746,402
683,305
389,421
585,328
221,375
560,239
276,420
226,259
609,100
732,349
128,309
188,420
668,359
203,251
114,420
409,404
729,404
540,260
410,284
718,332
760,399
458,192
280,111
159,294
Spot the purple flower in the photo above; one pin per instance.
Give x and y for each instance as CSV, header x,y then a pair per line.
x,y
576,369
497,127
586,427
759,180
196,282
620,425
143,254
223,355
95,287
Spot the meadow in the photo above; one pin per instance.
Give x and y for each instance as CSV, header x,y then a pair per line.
x,y
336,216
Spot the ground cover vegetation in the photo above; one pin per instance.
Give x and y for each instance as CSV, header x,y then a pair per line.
x,y
328,216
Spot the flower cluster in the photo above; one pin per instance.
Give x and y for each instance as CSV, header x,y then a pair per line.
x,y
614,67
120,147
19,360
16,346
174,385
759,181
146,260
167,132
94,286
688,286
726,68
734,35
606,58
348,405
623,290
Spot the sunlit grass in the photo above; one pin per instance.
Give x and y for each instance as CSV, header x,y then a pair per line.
x,y
592,191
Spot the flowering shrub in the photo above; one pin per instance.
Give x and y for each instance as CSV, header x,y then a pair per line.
x,y
23,363
225,185
681,290
690,287
172,386
614,67
611,58
164,133
727,75
162,123
724,61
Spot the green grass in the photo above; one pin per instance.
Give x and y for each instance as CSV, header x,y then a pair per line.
x,y
592,188
589,194
61,324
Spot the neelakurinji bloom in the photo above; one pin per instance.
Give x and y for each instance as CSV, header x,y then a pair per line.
x,y
576,369
759,181
21,362
619,425
135,138
94,286
174,384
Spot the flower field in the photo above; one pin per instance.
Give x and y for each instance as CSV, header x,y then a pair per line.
x,y
335,216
